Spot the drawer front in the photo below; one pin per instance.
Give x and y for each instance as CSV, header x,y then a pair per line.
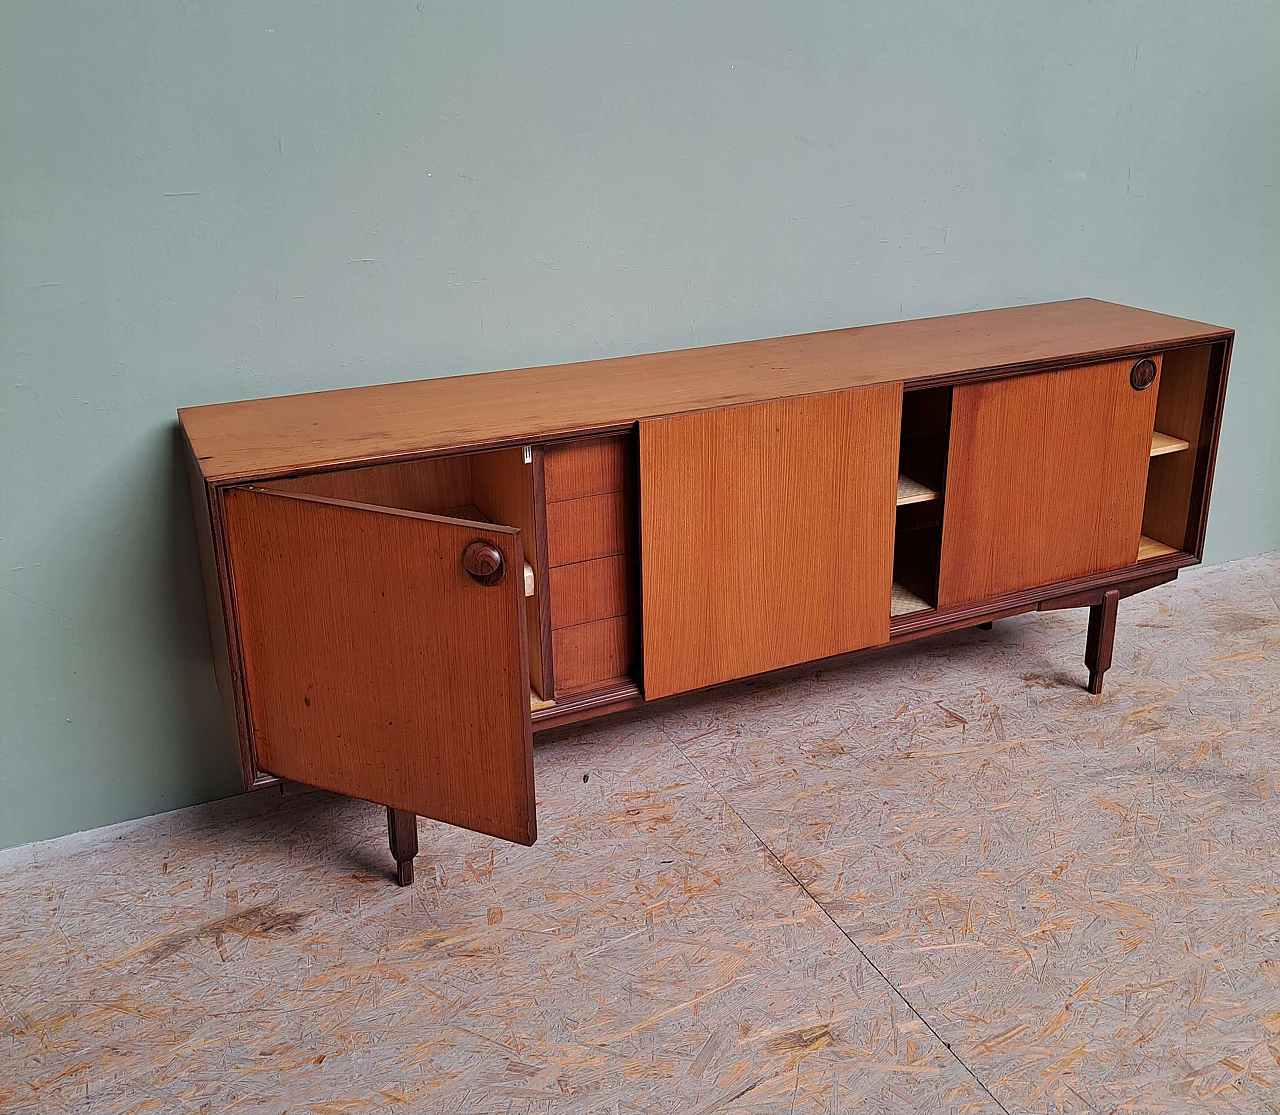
x,y
588,467
1046,476
590,527
590,590
592,581
590,655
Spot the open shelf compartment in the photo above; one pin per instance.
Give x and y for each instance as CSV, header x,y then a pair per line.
x,y
1189,384
912,491
922,475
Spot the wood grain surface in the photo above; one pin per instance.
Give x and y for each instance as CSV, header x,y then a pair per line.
x,y
591,590
1046,477
376,667
1162,444
590,527
498,485
590,467
591,543
262,437
1149,548
766,535
592,655
431,486
502,486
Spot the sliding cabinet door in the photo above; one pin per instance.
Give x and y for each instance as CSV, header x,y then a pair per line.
x,y
766,535
385,655
1046,476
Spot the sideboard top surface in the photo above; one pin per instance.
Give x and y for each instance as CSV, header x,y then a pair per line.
x,y
292,433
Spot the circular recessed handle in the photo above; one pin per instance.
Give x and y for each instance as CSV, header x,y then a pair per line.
x,y
1143,374
483,562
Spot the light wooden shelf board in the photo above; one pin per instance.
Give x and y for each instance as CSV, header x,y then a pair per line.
x,y
1165,443
912,491
536,703
904,603
1150,548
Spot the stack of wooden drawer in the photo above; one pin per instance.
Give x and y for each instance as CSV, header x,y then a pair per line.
x,y
591,551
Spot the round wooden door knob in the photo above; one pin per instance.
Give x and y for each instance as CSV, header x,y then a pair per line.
x,y
483,562
1143,374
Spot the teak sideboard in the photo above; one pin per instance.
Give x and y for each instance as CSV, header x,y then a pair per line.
x,y
406,581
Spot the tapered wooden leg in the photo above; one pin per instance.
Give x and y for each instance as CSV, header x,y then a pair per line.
x,y
402,833
1102,635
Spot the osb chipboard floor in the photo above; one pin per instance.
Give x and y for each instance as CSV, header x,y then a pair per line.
x,y
783,896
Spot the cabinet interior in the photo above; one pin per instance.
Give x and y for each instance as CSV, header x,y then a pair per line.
x,y
579,527
922,480
1180,445
495,487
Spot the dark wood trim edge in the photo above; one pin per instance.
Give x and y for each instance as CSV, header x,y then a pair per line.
x,y
239,684
1092,597
220,630
543,563
1062,363
588,705
1207,446
919,624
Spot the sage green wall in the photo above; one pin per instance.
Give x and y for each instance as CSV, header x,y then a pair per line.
x,y
202,202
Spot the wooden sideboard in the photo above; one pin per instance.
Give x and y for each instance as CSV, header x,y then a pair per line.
x,y
406,581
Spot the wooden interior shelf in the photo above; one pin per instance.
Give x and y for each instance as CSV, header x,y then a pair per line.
x,y
904,602
1150,548
1160,445
912,491
537,704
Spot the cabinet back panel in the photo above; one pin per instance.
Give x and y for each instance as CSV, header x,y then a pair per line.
x,y
1046,476
926,422
766,535
376,667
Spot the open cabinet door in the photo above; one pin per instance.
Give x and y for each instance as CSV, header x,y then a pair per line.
x,y
376,665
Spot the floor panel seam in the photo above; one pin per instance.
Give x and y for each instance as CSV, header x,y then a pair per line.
x,y
838,927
